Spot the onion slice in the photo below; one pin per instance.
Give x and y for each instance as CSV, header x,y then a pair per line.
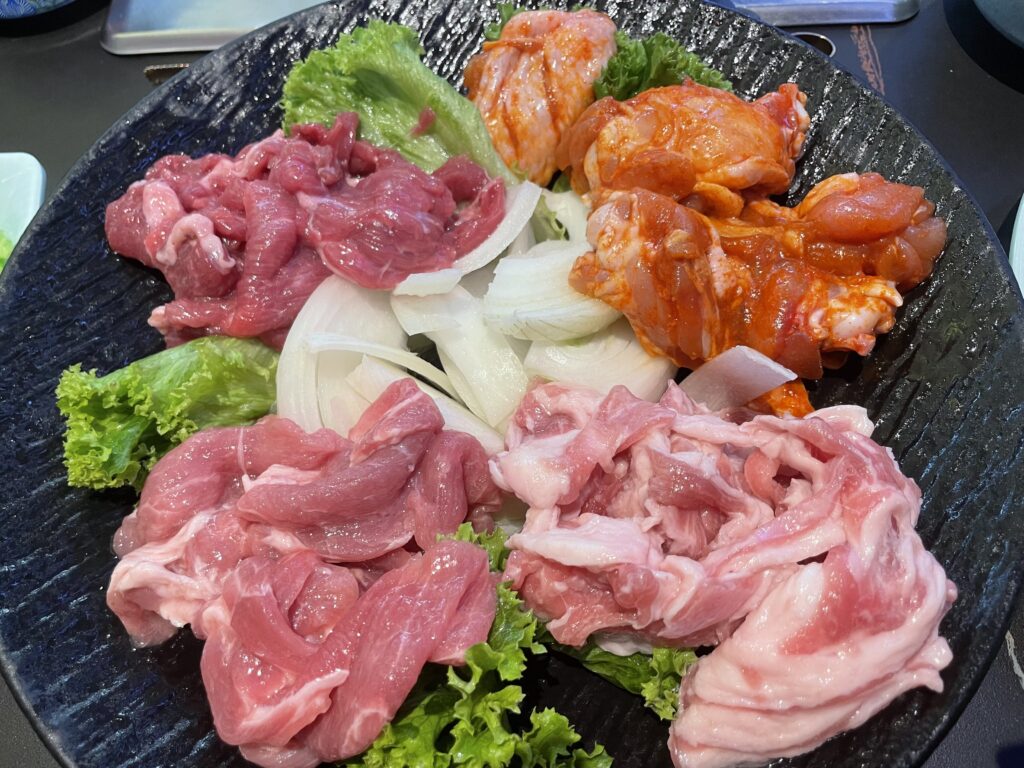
x,y
530,297
602,361
336,304
571,212
520,203
336,342
734,378
483,366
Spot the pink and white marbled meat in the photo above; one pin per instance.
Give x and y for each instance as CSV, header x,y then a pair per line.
x,y
239,532
787,543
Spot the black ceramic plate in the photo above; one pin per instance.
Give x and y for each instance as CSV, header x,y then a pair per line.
x,y
943,386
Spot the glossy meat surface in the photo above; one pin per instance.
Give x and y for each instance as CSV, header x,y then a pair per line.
x,y
691,142
241,532
244,240
787,543
804,286
532,83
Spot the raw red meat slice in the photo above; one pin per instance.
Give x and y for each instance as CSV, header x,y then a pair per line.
x,y
289,700
243,241
272,490
404,617
206,470
405,477
265,678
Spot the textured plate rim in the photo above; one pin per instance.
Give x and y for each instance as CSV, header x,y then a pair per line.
x,y
966,693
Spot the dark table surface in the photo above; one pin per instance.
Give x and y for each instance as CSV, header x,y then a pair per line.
x,y
947,70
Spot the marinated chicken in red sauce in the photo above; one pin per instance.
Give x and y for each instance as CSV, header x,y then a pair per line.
x,y
701,145
532,83
804,286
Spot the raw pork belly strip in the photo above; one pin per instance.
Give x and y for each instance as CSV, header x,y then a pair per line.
x,y
242,533
788,543
244,240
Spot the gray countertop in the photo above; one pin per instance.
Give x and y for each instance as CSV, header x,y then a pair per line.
x,y
946,69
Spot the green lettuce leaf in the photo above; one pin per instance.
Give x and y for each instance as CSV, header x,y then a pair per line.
x,y
546,225
656,677
548,743
118,425
650,63
378,72
505,12
493,543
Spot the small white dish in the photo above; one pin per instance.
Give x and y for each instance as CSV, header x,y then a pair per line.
x,y
22,187
1016,253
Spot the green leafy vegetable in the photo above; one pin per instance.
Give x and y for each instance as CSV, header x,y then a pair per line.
x,y
466,716
378,72
118,425
505,12
493,543
656,61
656,677
547,744
545,223
6,247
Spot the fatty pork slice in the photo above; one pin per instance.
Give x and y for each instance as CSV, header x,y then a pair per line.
x,y
296,701
789,543
827,649
405,478
561,434
184,538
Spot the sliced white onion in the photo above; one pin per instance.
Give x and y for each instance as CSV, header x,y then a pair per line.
x,y
427,283
335,306
478,282
484,369
571,212
520,202
335,342
530,297
611,357
524,241
340,405
423,314
734,378
372,376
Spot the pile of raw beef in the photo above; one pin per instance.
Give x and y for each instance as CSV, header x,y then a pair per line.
x,y
244,240
312,567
